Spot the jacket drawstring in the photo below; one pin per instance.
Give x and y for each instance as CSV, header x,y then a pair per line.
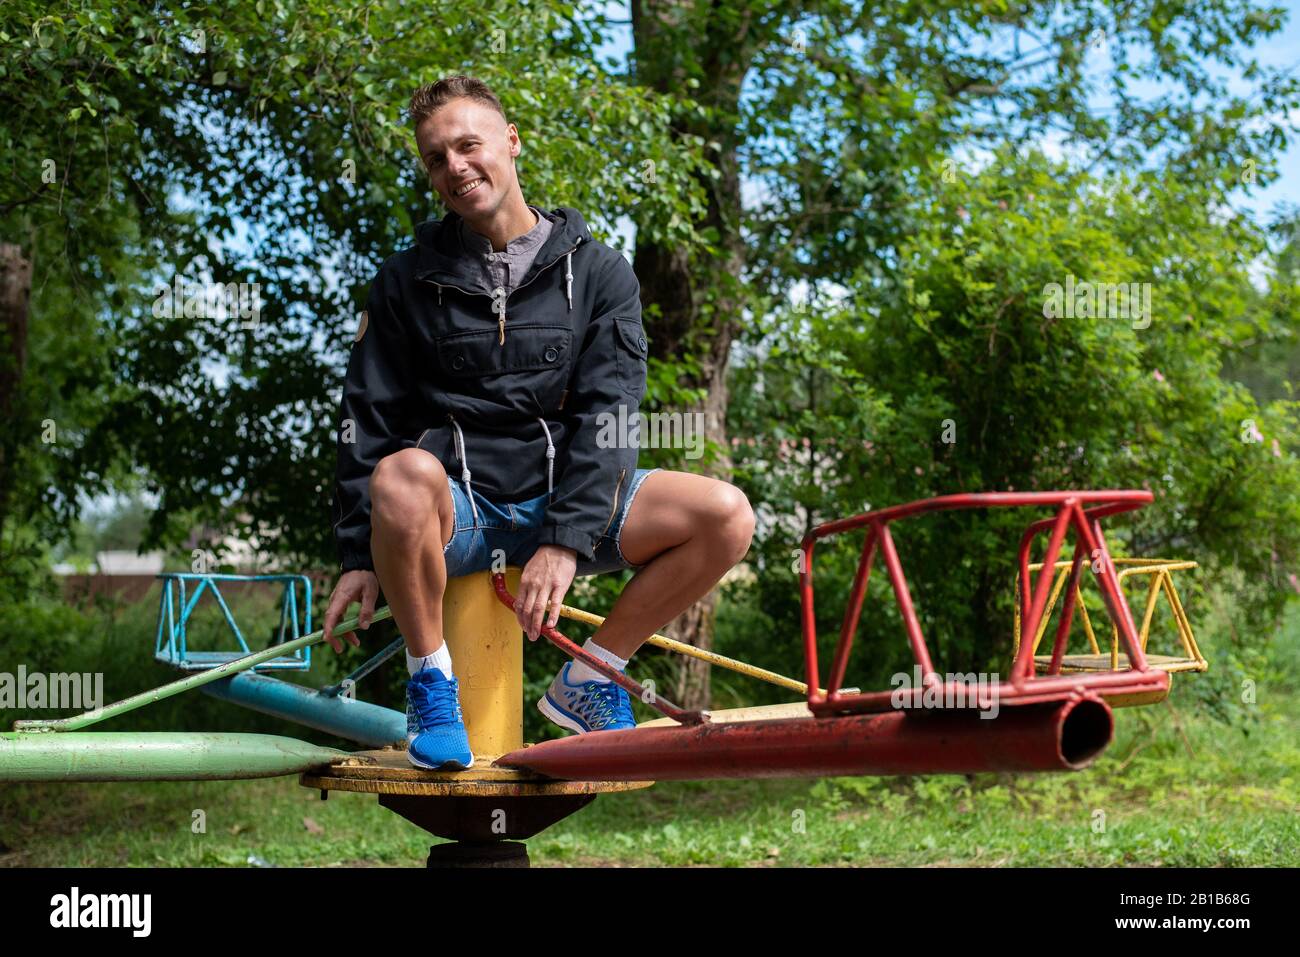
x,y
464,464
568,279
464,467
550,461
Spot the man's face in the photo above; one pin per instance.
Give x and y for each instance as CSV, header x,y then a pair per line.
x,y
467,141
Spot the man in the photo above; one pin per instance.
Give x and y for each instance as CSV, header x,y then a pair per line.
x,y
485,362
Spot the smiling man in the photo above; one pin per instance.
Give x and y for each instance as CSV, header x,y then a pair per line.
x,y
488,354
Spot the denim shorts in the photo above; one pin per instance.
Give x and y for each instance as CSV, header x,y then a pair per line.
x,y
513,528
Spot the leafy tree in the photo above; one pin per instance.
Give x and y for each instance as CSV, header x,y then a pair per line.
x,y
840,113
258,143
956,375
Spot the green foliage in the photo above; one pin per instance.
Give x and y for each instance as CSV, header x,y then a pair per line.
x,y
261,142
950,377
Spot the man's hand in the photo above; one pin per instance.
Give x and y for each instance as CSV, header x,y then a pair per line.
x,y
357,585
546,578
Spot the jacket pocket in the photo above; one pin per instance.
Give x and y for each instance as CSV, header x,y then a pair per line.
x,y
469,354
538,348
526,349
632,354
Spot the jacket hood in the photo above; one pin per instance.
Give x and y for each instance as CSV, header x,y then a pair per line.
x,y
442,258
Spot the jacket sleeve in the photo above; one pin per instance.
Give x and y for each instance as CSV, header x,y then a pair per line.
x,y
375,417
605,393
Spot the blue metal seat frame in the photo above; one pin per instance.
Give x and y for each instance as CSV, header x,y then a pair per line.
x,y
176,606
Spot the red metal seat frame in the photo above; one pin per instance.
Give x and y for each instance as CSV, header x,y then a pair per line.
x,y
1080,511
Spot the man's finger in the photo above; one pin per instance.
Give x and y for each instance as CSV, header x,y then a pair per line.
x,y
338,605
557,599
331,619
526,615
369,593
536,615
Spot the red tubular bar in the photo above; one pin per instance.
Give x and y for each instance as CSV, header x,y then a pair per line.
x,y
634,688
1059,736
1112,590
855,609
1080,511
904,596
809,623
1067,611
1024,663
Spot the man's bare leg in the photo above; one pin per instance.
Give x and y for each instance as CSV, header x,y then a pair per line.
x,y
412,518
688,531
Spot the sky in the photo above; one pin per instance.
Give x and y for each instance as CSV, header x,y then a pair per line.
x,y
1283,51
1280,51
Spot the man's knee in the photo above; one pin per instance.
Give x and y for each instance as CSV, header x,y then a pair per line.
x,y
732,521
404,485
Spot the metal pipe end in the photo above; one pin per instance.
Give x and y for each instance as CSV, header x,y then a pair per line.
x,y
1087,726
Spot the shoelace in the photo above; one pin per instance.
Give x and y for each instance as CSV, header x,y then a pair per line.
x,y
606,702
435,708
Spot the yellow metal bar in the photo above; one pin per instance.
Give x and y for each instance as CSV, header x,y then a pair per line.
x,y
668,644
1160,580
482,635
1087,622
1153,592
1051,603
1185,629
1015,627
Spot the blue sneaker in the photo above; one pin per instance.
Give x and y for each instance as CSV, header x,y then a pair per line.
x,y
589,706
435,730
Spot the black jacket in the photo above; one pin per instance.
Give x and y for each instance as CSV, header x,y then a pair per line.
x,y
429,352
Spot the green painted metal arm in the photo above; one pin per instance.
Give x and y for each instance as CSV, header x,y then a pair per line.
x,y
85,720
156,756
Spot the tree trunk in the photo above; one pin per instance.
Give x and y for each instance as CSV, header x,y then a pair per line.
x,y
15,295
700,303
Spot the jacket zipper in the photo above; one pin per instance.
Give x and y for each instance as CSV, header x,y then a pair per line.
x,y
501,323
622,473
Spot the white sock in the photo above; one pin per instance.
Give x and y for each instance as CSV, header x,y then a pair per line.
x,y
440,659
579,672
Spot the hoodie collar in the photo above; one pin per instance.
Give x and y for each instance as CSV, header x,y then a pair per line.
x,y
444,259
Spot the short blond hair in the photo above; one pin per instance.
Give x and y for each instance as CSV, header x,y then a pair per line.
x,y
431,97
